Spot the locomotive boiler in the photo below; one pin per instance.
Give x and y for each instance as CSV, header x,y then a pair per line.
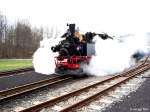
x,y
75,50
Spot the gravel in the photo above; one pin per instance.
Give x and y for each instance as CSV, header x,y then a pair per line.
x,y
46,93
115,96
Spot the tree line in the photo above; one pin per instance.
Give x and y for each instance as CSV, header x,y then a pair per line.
x,y
19,40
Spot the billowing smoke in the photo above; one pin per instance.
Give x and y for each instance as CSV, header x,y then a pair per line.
x,y
115,55
111,55
43,58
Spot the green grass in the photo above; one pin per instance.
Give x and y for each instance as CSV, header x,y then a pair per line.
x,y
12,64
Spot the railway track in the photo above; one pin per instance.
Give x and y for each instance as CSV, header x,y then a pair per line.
x,y
5,94
7,73
79,98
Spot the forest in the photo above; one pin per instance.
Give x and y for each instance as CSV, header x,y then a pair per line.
x,y
20,39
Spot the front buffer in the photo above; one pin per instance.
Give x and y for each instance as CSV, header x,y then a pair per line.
x,y
78,72
70,66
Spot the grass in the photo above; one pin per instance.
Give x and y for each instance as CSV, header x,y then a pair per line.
x,y
12,64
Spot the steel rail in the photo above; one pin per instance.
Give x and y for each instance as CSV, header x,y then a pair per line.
x,y
141,65
66,96
7,73
5,94
101,93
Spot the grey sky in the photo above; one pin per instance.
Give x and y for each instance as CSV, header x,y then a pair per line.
x,y
118,16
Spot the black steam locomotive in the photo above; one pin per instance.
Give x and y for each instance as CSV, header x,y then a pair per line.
x,y
76,49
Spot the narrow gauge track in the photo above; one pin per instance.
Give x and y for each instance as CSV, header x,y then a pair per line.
x,y
5,94
104,86
7,73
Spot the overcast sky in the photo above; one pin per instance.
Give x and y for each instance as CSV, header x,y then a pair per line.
x,y
115,16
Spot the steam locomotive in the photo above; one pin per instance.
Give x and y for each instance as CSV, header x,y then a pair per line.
x,y
75,50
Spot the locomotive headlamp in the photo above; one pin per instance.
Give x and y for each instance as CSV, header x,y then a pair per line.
x,y
78,48
53,49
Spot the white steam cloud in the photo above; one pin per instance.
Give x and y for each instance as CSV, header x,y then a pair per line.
x,y
111,55
115,55
43,58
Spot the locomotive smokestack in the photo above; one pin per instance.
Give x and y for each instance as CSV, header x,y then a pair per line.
x,y
72,29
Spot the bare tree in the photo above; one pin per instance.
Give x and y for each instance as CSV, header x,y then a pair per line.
x,y
18,40
3,26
